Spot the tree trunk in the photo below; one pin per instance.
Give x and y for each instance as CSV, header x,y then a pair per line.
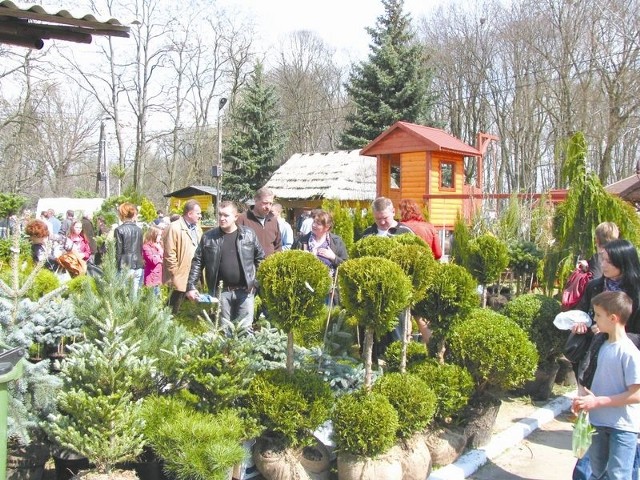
x,y
367,350
290,352
406,322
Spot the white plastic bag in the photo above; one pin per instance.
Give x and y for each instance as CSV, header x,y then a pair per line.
x,y
566,320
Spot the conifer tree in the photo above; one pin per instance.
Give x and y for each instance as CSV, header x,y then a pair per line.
x,y
587,205
253,151
393,84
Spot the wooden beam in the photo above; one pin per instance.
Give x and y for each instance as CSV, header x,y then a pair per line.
x,y
34,43
70,34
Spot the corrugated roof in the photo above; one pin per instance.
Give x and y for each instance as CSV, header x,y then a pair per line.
x,y
431,138
342,175
29,25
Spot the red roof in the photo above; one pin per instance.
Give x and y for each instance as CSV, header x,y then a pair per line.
x,y
428,138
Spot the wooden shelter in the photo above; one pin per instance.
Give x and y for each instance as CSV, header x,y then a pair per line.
x,y
306,179
628,189
205,196
29,25
427,165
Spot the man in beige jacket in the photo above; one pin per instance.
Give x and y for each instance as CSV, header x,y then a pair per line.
x,y
181,239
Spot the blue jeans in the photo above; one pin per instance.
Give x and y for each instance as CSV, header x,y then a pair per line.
x,y
612,454
236,306
582,470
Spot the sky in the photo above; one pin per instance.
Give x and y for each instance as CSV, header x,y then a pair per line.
x,y
340,23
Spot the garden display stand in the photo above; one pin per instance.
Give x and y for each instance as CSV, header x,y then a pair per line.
x,y
11,367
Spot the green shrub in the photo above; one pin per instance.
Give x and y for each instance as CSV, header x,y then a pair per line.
x,y
5,251
411,397
460,243
411,239
342,220
293,286
362,218
524,258
535,313
217,371
372,246
46,281
494,349
452,384
416,353
364,424
451,294
374,290
148,211
292,405
488,257
193,445
416,261
77,284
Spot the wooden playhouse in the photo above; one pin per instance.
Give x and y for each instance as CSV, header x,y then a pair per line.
x,y
427,165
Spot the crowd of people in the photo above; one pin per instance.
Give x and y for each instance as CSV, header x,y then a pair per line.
x,y
175,252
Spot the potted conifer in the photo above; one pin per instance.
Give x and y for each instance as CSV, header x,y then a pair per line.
x,y
499,356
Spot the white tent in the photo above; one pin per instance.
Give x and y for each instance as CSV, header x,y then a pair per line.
x,y
61,204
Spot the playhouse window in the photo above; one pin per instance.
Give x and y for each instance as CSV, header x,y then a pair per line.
x,y
394,176
447,177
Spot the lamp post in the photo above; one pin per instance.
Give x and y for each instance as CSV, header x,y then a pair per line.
x,y
217,171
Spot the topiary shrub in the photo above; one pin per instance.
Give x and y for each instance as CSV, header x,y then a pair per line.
x,y
372,246
487,258
416,353
208,445
364,424
293,286
375,291
494,349
291,405
452,384
535,313
450,295
412,398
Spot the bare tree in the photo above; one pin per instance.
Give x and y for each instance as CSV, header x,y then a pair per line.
x,y
312,99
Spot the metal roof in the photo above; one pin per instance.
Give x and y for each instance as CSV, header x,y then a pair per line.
x,y
28,25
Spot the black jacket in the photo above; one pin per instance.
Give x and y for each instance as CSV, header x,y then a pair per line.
x,y
336,245
399,229
207,257
128,238
596,286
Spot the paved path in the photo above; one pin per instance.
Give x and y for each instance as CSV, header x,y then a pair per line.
x,y
544,455
537,447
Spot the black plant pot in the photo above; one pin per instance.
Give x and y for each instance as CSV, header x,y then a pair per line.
x,y
147,467
68,464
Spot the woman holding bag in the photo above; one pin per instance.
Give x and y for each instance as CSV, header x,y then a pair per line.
x,y
620,272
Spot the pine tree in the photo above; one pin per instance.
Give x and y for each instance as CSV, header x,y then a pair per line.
x,y
393,84
252,152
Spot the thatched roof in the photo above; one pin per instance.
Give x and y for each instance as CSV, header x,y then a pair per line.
x,y
343,175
